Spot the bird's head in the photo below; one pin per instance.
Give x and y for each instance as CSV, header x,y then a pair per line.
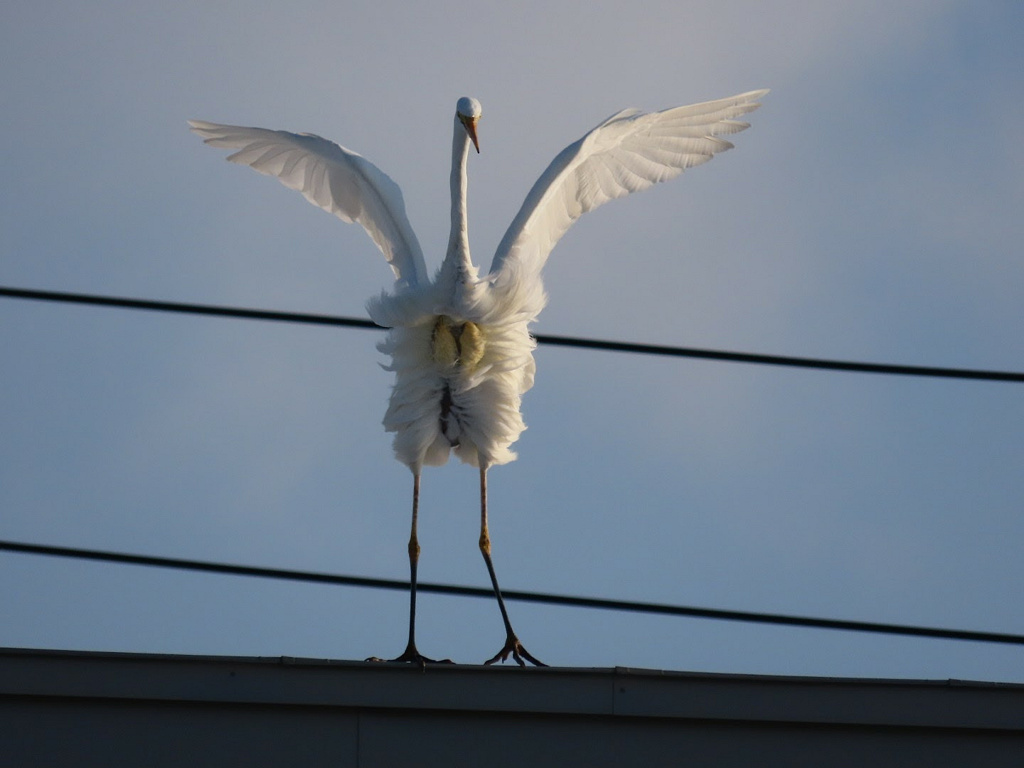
x,y
468,111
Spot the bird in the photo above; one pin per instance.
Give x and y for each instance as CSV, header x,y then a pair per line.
x,y
459,342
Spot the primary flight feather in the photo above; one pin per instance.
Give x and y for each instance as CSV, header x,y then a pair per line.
x,y
459,343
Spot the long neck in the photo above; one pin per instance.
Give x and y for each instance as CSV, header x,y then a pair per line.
x,y
457,262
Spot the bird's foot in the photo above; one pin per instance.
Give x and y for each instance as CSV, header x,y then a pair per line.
x,y
515,649
412,656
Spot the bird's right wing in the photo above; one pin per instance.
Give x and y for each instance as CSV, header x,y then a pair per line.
x,y
628,152
334,178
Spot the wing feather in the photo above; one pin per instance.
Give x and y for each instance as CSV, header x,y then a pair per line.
x,y
331,177
628,152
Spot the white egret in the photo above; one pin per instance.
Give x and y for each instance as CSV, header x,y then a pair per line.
x,y
459,343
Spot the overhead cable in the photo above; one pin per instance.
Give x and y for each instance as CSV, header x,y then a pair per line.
x,y
542,338
522,596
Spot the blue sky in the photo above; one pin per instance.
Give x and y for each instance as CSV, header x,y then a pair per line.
x,y
872,212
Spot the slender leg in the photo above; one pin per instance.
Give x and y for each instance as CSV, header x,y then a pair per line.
x,y
512,644
411,654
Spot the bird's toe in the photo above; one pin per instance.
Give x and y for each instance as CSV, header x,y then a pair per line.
x,y
514,648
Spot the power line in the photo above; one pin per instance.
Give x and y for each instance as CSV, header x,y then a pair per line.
x,y
532,597
187,309
563,341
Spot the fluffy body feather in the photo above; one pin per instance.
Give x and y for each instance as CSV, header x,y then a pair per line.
x,y
481,416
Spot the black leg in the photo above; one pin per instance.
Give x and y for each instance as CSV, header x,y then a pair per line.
x,y
411,654
512,645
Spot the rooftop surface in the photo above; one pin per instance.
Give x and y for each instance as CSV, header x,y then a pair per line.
x,y
86,708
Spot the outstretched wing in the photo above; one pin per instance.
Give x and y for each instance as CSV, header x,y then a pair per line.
x,y
334,178
628,152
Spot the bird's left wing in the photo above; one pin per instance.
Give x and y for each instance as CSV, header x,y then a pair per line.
x,y
628,152
336,179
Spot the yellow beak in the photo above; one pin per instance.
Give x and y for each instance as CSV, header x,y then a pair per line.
x,y
470,125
